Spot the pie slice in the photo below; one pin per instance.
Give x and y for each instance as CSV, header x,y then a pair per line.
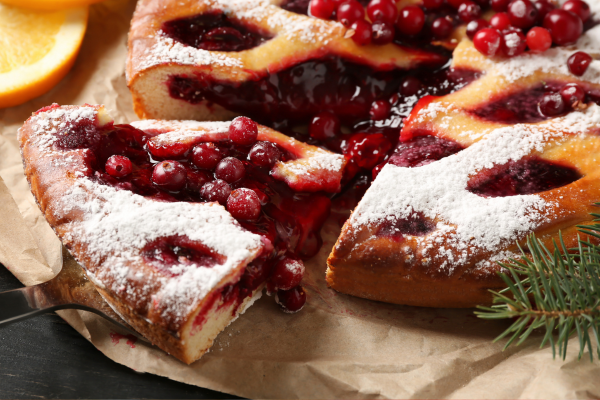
x,y
476,171
180,225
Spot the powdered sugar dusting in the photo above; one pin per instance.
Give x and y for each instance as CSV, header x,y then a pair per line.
x,y
160,125
465,220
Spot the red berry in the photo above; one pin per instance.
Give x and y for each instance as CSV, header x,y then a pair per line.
x,y
324,126
539,39
500,21
196,180
579,8
367,150
500,5
522,13
543,7
230,170
321,8
243,131
432,4
380,110
377,170
513,43
287,273
350,11
552,104
216,190
411,20
469,11
475,26
206,156
564,26
170,175
118,166
441,28
382,32
579,62
382,10
456,3
244,204
362,32
264,154
410,86
291,301
488,41
572,94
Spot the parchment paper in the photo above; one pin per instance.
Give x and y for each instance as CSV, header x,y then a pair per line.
x,y
338,346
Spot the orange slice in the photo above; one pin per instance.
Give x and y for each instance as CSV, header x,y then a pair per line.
x,y
49,5
37,49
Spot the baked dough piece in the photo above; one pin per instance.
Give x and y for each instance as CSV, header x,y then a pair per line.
x,y
431,233
177,271
282,39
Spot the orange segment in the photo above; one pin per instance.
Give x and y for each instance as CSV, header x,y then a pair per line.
x,y
37,49
49,5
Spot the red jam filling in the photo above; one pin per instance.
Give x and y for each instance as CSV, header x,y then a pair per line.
x,y
423,150
213,32
414,225
526,176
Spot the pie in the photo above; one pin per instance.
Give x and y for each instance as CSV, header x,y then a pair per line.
x,y
154,236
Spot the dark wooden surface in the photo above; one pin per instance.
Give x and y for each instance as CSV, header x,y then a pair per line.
x,y
44,357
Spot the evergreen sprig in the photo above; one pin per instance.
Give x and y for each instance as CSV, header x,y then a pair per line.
x,y
558,291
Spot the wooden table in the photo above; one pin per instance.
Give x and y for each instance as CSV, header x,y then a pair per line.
x,y
44,357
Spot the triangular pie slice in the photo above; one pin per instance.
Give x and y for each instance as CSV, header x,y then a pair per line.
x,y
475,173
175,266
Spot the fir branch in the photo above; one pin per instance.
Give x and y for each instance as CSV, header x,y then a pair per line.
x,y
558,291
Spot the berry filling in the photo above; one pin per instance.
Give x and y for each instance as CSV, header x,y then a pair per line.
x,y
214,32
526,176
414,225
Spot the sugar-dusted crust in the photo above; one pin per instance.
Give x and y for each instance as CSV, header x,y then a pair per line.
x,y
153,57
455,265
178,307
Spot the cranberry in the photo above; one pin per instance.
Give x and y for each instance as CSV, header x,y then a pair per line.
x,y
206,155
500,5
349,12
324,126
196,180
410,86
362,32
475,26
264,154
230,170
442,28
380,110
552,104
432,4
488,41
321,8
539,39
291,301
287,273
579,8
118,166
513,43
579,62
522,13
543,7
367,150
572,94
216,190
382,32
411,20
382,10
456,3
500,21
244,204
243,131
564,26
469,11
169,175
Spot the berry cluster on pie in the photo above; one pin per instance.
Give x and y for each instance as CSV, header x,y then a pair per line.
x,y
452,128
180,225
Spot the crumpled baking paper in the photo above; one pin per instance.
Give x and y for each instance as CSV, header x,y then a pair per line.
x,y
337,346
